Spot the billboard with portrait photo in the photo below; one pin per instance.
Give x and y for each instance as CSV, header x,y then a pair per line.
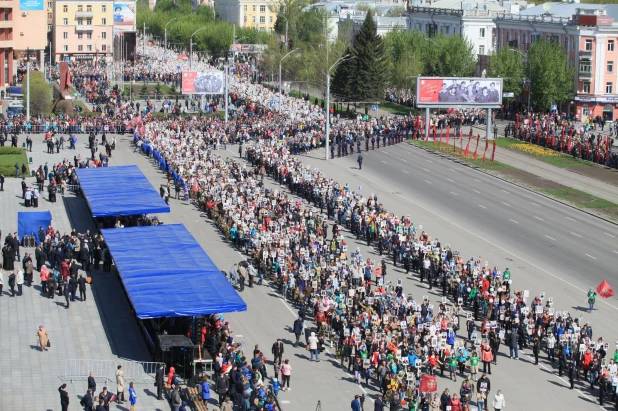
x,y
124,15
459,92
207,82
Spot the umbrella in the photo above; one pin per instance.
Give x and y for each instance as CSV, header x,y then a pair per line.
x,y
605,290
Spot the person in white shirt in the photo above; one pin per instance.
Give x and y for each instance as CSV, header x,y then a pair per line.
x,y
498,403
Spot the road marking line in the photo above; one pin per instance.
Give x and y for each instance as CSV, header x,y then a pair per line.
x,y
482,206
480,237
430,161
476,191
504,191
569,218
615,251
453,193
575,234
284,402
612,236
404,160
477,180
238,336
513,221
508,205
428,182
385,152
535,204
426,170
551,238
594,258
384,162
405,171
450,180
539,218
452,170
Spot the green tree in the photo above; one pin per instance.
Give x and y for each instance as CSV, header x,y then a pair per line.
x,y
509,65
449,56
64,107
341,86
550,74
395,12
40,94
404,49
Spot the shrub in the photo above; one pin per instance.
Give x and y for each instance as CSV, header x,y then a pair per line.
x,y
64,107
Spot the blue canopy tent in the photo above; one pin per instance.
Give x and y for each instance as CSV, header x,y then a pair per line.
x,y
28,223
121,190
166,273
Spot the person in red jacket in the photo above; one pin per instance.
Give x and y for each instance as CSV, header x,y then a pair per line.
x,y
456,403
486,357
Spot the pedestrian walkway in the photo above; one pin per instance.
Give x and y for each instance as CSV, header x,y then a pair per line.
x,y
101,328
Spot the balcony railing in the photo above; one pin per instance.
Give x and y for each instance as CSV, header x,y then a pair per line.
x,y
4,24
535,19
84,14
585,53
585,74
84,27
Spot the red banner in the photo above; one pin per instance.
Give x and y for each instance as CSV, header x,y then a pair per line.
x,y
448,131
440,142
486,147
605,290
428,384
477,146
493,153
467,148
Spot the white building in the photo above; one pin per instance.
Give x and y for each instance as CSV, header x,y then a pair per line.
x,y
473,20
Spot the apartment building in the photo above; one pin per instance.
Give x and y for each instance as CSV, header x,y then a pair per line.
x,y
17,37
83,29
589,35
261,15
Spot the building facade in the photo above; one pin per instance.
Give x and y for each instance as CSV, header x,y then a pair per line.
x,y
589,35
260,15
83,30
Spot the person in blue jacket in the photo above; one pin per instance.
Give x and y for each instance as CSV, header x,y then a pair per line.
x,y
356,406
205,391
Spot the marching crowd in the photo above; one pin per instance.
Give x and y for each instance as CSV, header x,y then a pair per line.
x,y
383,334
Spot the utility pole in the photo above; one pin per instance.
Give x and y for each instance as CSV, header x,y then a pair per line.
x,y
144,42
281,61
327,128
165,31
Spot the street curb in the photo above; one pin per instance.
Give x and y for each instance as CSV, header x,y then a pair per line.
x,y
515,184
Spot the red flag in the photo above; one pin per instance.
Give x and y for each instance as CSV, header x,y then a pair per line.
x,y
467,148
569,145
427,135
477,146
493,153
553,136
434,134
486,147
448,131
428,383
440,143
517,121
195,187
605,290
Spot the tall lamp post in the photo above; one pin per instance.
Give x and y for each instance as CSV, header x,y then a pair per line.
x,y
340,60
165,34
96,50
227,72
191,46
280,62
28,84
528,80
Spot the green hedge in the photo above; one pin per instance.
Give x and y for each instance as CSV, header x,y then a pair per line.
x,y
8,157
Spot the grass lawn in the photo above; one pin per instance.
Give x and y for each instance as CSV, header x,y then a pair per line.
x,y
581,199
397,109
448,151
8,157
543,154
137,88
82,105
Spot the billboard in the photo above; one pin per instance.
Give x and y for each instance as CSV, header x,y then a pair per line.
x,y
208,82
124,15
459,92
27,5
248,48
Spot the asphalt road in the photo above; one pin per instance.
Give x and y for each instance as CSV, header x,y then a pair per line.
x,y
268,316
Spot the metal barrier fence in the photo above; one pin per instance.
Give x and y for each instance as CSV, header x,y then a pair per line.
x,y
138,372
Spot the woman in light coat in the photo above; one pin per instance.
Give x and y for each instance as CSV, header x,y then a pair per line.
x,y
119,385
498,403
435,404
19,280
286,374
42,337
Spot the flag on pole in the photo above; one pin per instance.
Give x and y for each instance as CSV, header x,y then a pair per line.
x,y
493,153
486,147
477,146
467,147
434,134
605,290
440,143
448,131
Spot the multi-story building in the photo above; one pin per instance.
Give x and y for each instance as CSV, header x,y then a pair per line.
x,y
589,35
18,38
83,29
261,14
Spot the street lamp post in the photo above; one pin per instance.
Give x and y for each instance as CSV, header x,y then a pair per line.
x,y
227,72
327,128
28,84
165,34
191,47
280,62
96,51
144,42
528,80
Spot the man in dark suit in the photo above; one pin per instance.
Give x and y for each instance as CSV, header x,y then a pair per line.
x,y
87,400
40,257
84,257
15,245
81,282
277,351
41,235
159,382
92,384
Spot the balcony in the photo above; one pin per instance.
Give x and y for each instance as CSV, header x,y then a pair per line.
x,y
8,4
84,27
585,75
4,24
6,44
585,53
84,14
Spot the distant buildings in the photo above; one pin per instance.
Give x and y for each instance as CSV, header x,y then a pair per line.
x,y
258,14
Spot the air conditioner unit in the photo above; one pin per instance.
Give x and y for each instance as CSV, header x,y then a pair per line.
x,y
24,14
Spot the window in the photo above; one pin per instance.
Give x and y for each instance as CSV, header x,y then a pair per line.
x,y
254,7
89,36
588,46
7,15
49,4
262,19
609,87
566,44
65,9
610,45
104,35
271,19
610,66
482,50
585,110
80,22
50,27
65,22
80,35
89,22
65,35
482,33
104,47
253,19
245,7
80,48
89,7
262,9
245,19
586,87
89,47
80,8
104,22
104,8
49,16
585,66
65,48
